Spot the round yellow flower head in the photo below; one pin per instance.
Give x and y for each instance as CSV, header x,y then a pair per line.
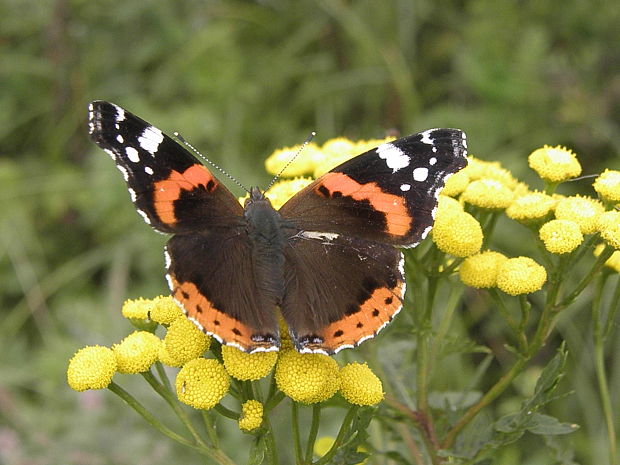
x,y
554,164
446,205
244,366
531,207
137,352
607,185
164,310
456,183
561,236
609,226
476,168
304,163
307,378
489,194
457,233
362,146
251,415
582,210
335,151
202,383
183,342
286,342
480,270
520,275
283,190
137,309
612,262
91,368
359,385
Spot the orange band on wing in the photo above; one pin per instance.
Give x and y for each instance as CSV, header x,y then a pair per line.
x,y
168,190
211,320
393,206
374,314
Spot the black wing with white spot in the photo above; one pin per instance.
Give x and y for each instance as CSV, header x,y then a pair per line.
x,y
170,188
388,194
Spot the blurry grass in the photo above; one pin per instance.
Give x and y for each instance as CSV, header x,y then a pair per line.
x,y
239,79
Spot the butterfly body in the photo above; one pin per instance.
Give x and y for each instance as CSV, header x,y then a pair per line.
x,y
327,260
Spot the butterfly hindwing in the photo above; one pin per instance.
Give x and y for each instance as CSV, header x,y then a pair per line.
x,y
340,290
170,188
387,194
209,276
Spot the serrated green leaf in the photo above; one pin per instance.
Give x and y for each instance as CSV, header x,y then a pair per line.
x,y
548,425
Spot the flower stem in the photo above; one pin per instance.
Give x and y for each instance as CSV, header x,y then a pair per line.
x,y
295,426
340,438
314,429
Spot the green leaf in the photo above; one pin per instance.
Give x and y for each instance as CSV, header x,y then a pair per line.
x,y
548,425
257,451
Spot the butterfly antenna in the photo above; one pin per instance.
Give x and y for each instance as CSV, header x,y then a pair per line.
x,y
214,165
303,146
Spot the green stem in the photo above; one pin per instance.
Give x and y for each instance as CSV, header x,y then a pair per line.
x,y
215,454
210,428
596,268
273,401
296,437
270,443
226,412
314,430
601,375
171,400
340,438
161,372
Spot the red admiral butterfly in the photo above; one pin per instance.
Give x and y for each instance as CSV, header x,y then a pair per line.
x,y
327,258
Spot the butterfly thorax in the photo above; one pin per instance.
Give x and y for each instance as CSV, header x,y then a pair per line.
x,y
267,238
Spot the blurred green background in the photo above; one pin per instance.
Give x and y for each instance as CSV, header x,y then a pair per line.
x,y
239,79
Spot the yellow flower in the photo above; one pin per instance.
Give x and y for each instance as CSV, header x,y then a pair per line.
x,y
281,191
307,378
335,151
183,342
303,164
582,210
244,366
362,146
251,415
555,164
609,226
91,368
561,236
323,445
607,185
202,383
359,385
457,233
456,183
447,204
164,310
137,352
531,207
137,309
612,262
520,275
285,338
488,193
480,270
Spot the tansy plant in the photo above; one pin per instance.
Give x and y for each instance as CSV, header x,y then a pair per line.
x,y
576,241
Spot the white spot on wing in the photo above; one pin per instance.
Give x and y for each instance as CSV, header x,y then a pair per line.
x,y
120,114
132,194
420,174
148,170
394,157
120,139
132,154
144,215
111,153
426,137
405,187
432,161
167,258
322,236
123,170
150,139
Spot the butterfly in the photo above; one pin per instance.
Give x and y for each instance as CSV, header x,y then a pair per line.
x,y
328,260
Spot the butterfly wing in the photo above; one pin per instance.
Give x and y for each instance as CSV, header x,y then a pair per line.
x,y
170,188
345,278
387,194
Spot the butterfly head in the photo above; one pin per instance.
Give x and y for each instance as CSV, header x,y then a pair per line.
x,y
256,196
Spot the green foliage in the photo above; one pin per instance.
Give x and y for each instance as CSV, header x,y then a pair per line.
x,y
240,79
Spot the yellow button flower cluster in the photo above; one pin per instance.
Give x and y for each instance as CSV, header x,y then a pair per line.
x,y
244,366
489,194
137,352
531,207
555,164
359,385
251,415
307,378
183,342
521,275
561,236
607,185
481,270
91,368
456,232
582,210
202,383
